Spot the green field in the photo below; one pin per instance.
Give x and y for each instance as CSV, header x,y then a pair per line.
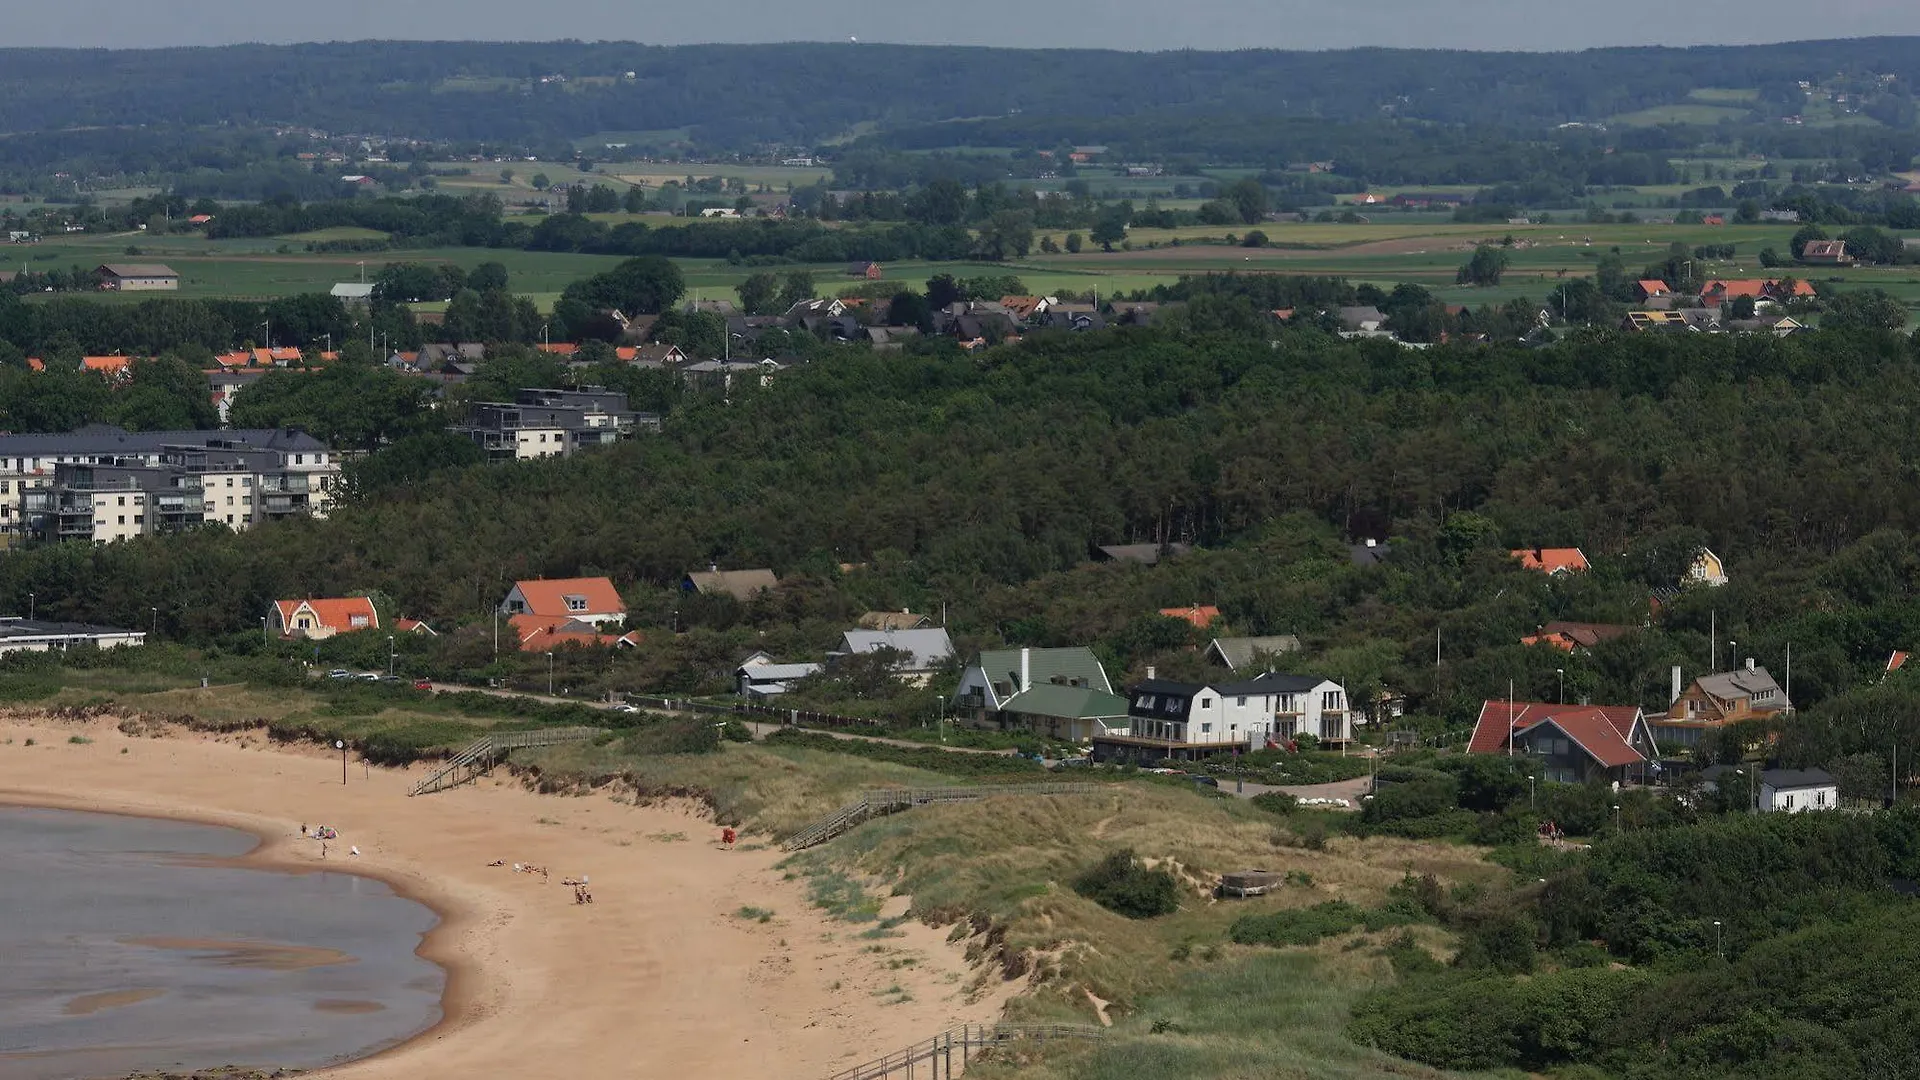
x,y
1423,252
1685,113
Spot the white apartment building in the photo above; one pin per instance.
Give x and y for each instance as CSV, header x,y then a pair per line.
x,y
104,484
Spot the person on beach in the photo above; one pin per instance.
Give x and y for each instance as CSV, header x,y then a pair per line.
x,y
303,828
323,849
728,836
353,852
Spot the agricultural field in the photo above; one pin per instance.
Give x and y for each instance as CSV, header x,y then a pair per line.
x,y
1383,253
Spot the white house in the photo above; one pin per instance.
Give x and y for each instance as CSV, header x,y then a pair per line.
x,y
1794,791
40,635
1188,720
925,649
759,677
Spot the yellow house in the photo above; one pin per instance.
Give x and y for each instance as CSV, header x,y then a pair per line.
x,y
1707,569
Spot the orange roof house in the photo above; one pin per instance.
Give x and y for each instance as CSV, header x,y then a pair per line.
x,y
587,600
1572,743
1551,560
1718,291
1651,289
414,626
319,619
559,348
1568,636
115,367
1201,616
544,633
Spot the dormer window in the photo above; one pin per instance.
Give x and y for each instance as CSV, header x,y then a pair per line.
x,y
576,603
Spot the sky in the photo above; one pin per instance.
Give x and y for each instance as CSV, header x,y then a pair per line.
x,y
1118,24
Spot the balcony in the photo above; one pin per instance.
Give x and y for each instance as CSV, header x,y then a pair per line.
x,y
288,483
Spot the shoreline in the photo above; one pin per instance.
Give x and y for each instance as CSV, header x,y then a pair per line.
x,y
667,976
271,853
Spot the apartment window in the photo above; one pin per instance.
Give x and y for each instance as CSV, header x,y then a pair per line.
x,y
229,481
1145,701
1206,703
1789,802
1330,701
123,500
1819,798
246,500
229,503
123,519
246,481
1206,729
139,519
1240,701
299,459
229,519
5,486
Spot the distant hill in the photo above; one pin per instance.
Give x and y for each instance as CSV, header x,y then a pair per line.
x,y
739,96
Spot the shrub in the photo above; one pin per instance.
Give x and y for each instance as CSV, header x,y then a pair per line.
x,y
1300,926
1414,799
1275,802
1119,883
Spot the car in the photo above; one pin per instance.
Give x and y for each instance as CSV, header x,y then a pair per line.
x,y
1075,762
1205,781
368,676
626,708
339,673
422,684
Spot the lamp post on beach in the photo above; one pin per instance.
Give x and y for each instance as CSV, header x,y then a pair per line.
x,y
341,745
549,672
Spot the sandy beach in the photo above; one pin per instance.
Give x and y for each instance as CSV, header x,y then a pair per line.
x,y
658,977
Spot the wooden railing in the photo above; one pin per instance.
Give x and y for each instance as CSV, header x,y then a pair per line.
x,y
967,1043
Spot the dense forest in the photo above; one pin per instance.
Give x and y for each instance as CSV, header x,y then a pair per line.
x,y
738,96
983,483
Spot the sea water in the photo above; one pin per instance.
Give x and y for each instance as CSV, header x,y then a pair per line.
x,y
125,944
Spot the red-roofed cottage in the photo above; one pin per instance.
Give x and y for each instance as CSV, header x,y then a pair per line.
x,y
324,618
1573,743
544,633
1200,615
587,600
1551,560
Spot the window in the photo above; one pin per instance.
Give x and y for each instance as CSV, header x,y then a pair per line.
x,y
1789,802
1206,729
1144,701
139,519
299,459
246,500
576,603
123,500
229,481
1330,701
1206,703
1819,798
1176,705
229,503
123,519
1240,701
246,481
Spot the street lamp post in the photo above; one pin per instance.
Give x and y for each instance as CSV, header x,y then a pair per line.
x,y
1717,950
264,639
549,672
1529,792
389,655
340,745
676,621
154,630
29,607
1616,817
1560,675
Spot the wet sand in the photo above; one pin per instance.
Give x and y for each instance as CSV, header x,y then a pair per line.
x,y
656,978
247,954
88,1004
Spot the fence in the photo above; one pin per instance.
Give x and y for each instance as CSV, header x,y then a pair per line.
x,y
970,1041
887,800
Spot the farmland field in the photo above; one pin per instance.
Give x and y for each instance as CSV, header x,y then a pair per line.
x,y
1422,252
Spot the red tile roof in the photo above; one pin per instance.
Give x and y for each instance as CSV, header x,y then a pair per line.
x,y
548,596
110,365
1603,731
1201,616
559,348
336,614
539,633
1651,287
1550,560
36,363
1895,661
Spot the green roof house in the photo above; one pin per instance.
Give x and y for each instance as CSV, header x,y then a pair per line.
x,y
1060,693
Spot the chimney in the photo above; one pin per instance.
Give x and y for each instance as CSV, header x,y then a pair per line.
x,y
713,568
1150,672
1371,542
1676,685
1026,670
1749,664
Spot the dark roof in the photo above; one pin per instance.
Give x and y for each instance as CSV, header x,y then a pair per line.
x,y
106,439
1147,554
1796,778
1260,684
1364,554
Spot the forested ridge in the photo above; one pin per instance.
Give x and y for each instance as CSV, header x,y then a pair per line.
x,y
739,95
984,484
